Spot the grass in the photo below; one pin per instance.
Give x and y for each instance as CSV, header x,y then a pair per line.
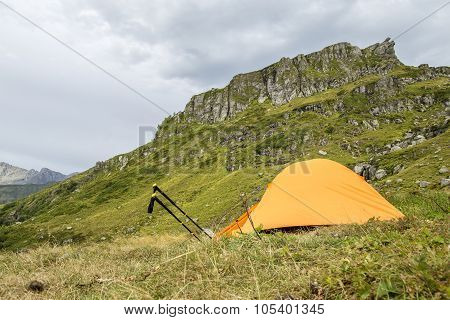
x,y
380,260
441,85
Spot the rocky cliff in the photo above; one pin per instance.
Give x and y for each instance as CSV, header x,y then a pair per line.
x,y
10,174
287,79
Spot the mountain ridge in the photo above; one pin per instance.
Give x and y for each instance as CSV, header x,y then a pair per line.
x,y
290,78
12,175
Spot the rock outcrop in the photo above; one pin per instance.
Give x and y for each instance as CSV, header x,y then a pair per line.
x,y
44,176
10,174
287,79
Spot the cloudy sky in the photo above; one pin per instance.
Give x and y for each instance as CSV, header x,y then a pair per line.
x,y
58,111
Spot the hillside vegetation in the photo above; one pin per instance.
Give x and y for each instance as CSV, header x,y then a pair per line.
x,y
10,193
90,236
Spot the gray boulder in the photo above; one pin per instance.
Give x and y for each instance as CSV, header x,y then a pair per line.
x,y
445,182
380,174
397,168
365,170
420,138
443,170
423,184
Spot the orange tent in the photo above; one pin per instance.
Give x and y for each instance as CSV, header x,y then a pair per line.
x,y
314,193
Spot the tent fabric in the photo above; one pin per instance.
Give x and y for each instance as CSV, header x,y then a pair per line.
x,y
237,224
314,193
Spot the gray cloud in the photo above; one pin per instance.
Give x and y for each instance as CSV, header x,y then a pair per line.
x,y
60,112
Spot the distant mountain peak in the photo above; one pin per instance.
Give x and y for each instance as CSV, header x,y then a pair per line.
x,y
10,175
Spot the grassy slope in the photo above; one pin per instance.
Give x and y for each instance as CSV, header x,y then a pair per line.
x,y
102,213
407,259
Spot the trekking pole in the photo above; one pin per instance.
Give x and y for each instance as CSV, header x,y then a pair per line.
x,y
157,189
150,208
